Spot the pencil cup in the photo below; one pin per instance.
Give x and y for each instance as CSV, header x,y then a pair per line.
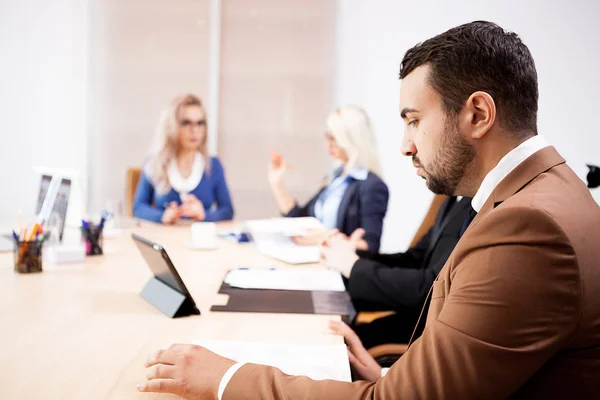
x,y
92,237
28,257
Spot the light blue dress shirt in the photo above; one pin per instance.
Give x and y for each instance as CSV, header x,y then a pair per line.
x,y
328,203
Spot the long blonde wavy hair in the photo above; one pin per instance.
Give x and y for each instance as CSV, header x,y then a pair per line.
x,y
166,144
352,131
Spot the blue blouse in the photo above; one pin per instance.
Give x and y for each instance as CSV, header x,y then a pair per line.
x,y
328,202
212,191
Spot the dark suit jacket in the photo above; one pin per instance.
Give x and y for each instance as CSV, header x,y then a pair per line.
x,y
401,281
514,313
363,205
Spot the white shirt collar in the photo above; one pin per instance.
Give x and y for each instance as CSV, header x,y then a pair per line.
x,y
185,185
358,173
506,165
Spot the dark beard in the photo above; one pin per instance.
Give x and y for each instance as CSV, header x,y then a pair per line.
x,y
451,161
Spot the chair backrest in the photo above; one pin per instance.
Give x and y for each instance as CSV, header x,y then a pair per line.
x,y
132,178
429,219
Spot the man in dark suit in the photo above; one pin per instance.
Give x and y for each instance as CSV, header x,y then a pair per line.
x,y
398,282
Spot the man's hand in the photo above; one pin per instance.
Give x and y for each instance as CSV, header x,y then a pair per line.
x,y
339,253
193,208
189,371
362,363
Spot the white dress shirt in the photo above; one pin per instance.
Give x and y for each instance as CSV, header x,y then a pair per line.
x,y
505,166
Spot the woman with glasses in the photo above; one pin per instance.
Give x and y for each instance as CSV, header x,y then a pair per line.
x,y
180,179
354,199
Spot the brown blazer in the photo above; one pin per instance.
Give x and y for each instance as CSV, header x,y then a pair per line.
x,y
515,312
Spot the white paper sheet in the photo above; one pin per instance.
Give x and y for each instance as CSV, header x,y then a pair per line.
x,y
272,237
285,226
290,253
286,279
315,361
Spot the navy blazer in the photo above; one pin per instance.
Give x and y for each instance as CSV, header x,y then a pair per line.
x,y
363,205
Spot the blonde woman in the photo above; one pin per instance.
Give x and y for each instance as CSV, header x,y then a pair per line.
x,y
354,200
180,179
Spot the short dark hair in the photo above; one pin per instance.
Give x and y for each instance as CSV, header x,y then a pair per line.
x,y
481,56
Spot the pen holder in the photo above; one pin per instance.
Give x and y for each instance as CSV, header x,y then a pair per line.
x,y
28,257
92,237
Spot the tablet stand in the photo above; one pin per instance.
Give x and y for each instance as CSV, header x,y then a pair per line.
x,y
168,300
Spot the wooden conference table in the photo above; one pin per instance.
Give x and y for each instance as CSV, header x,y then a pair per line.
x,y
81,331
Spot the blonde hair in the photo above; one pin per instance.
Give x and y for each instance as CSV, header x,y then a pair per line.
x,y
166,144
352,131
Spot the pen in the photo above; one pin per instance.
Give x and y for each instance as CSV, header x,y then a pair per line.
x,y
23,247
34,232
104,216
15,236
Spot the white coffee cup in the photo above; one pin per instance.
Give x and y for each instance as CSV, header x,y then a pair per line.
x,y
204,234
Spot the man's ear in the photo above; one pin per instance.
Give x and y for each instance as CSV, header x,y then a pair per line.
x,y
478,115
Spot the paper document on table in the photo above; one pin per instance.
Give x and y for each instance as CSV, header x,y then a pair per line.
x,y
289,252
314,361
286,279
272,237
285,226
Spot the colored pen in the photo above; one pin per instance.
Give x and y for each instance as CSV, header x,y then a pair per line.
x,y
23,247
34,232
104,217
42,237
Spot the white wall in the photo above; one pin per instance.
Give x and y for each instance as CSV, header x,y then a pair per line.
x,y
142,54
42,95
373,36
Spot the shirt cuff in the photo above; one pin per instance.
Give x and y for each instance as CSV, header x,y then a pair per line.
x,y
383,372
227,377
346,272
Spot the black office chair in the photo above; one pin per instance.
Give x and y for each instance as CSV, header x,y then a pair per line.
x,y
593,176
387,354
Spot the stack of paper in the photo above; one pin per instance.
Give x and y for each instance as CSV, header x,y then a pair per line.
x,y
315,361
286,279
285,226
272,237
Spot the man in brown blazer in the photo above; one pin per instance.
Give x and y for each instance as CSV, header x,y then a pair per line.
x,y
515,312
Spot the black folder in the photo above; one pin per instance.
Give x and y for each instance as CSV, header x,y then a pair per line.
x,y
287,301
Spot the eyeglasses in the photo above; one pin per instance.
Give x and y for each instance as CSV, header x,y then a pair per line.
x,y
187,123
